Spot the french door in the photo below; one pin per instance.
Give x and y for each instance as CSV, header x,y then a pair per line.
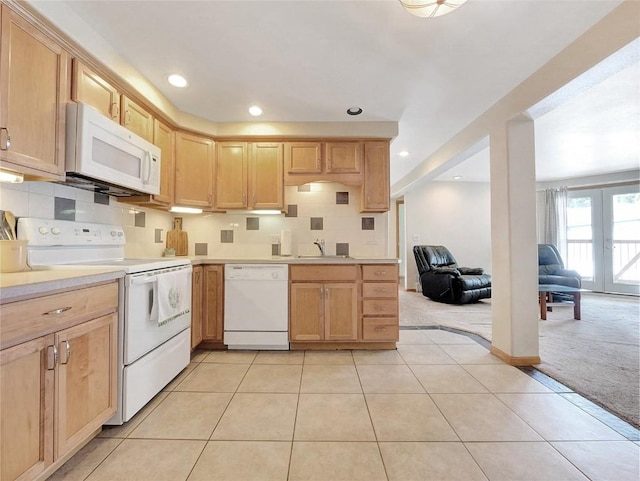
x,y
603,236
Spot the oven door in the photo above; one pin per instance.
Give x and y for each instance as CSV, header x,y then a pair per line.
x,y
144,330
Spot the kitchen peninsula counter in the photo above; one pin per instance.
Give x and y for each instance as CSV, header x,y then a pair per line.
x,y
17,286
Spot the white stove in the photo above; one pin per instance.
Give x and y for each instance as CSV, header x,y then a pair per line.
x,y
154,319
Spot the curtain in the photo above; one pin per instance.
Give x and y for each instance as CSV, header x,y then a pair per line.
x,y
555,225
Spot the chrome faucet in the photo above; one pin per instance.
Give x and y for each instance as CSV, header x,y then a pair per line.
x,y
320,244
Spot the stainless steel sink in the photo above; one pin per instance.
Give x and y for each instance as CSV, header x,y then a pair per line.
x,y
324,257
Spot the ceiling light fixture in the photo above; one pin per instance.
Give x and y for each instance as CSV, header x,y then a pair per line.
x,y
430,8
255,110
403,153
177,80
354,110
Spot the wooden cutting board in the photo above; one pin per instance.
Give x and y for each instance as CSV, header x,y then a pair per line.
x,y
177,239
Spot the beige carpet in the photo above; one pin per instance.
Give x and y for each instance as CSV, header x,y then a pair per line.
x,y
598,356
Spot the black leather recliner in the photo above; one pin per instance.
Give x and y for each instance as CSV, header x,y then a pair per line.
x,y
551,268
444,281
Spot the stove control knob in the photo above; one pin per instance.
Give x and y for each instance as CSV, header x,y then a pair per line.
x,y
120,233
274,275
55,231
43,230
113,233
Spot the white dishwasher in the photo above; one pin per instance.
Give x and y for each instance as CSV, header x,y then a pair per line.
x,y
256,306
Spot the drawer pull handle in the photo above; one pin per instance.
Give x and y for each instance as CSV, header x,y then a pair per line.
x,y
54,351
380,273
379,289
381,329
379,308
68,349
57,312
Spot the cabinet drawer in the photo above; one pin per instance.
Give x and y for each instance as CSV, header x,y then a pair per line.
x,y
380,272
323,273
25,320
380,289
379,328
379,307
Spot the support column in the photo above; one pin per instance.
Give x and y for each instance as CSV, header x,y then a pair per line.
x,y
513,244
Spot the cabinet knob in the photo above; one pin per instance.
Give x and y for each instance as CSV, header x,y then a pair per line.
x,y
5,139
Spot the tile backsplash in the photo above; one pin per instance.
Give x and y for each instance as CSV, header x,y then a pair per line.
x,y
320,210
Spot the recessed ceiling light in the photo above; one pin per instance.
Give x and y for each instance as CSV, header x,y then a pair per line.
x,y
177,80
457,177
354,110
403,153
255,110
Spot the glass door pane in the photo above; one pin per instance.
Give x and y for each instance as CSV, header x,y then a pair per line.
x,y
584,237
622,240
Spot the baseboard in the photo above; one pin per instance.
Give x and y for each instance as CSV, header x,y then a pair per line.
x,y
513,360
411,290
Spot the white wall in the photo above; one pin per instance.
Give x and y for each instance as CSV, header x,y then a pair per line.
x,y
454,214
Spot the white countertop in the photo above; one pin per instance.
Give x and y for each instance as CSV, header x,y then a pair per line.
x,y
16,286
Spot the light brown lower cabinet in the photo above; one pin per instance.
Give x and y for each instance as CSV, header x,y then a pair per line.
x,y
196,307
212,303
58,389
323,304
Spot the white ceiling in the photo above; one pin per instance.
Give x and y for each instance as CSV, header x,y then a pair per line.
x,y
310,60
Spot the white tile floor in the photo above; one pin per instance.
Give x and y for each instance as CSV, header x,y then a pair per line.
x,y
439,408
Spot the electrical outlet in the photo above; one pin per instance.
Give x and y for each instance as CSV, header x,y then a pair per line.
x,y
416,238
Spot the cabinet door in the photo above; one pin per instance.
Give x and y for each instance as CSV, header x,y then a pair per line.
x,y
165,138
33,95
136,119
303,157
86,380
26,403
306,312
341,312
266,176
196,307
343,157
194,170
91,89
231,175
375,185
213,303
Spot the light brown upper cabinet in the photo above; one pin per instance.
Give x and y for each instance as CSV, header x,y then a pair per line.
x,y
90,88
249,175
194,170
136,119
231,175
375,185
164,137
342,157
34,73
303,157
266,184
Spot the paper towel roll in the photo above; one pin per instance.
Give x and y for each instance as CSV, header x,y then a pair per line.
x,y
285,242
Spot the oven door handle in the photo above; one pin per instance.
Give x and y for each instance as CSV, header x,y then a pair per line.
x,y
136,281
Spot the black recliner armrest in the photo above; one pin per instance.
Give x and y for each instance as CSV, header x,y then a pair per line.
x,y
446,270
469,271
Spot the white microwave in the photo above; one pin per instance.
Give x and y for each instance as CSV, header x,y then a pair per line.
x,y
103,156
